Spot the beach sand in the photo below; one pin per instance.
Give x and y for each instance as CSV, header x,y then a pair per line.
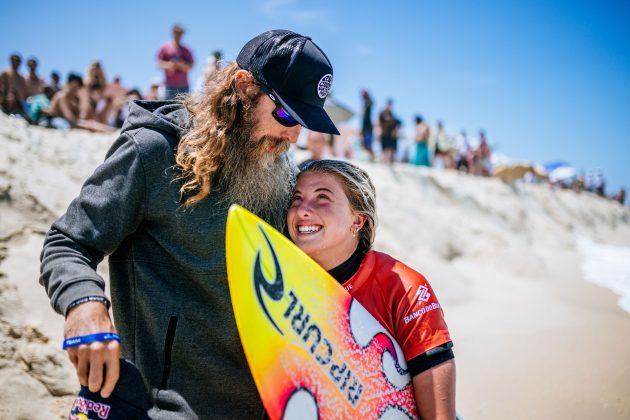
x,y
533,340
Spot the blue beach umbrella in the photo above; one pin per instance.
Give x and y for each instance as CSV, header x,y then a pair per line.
x,y
552,166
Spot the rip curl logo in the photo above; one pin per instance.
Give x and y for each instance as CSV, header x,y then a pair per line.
x,y
324,85
423,294
273,290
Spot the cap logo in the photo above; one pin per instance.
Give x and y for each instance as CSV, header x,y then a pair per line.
x,y
324,85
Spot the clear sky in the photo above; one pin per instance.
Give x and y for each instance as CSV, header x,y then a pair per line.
x,y
547,80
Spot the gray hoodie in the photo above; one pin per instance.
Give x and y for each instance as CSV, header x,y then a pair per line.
x,y
167,268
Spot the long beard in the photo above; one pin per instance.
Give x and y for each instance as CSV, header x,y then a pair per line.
x,y
258,175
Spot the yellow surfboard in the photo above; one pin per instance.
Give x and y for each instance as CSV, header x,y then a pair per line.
x,y
314,351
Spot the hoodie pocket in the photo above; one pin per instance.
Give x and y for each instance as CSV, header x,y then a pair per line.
x,y
168,349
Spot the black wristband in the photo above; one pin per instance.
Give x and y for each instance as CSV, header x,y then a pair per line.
x,y
89,299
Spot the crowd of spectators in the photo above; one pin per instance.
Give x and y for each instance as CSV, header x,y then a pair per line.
x,y
383,138
431,146
94,103
91,102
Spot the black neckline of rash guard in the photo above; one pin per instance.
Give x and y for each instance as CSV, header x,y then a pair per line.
x,y
344,271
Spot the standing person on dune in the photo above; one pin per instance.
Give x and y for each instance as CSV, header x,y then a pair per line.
x,y
158,206
422,156
176,60
367,128
389,132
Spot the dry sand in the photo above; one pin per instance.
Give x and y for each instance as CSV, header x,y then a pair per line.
x,y
533,340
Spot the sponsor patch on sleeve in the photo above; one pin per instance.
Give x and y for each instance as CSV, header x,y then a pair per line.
x,y
423,295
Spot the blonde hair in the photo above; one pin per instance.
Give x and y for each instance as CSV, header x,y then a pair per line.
x,y
216,114
359,190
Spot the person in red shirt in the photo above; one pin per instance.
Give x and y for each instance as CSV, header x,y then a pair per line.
x,y
332,218
176,60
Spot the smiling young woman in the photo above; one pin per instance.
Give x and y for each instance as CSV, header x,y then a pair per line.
x,y
321,221
332,218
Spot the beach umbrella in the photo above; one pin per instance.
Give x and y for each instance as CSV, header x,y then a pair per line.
x,y
562,174
337,111
552,166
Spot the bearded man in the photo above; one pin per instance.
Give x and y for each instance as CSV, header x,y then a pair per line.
x,y
158,206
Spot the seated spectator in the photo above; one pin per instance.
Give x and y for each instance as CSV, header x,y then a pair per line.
x,y
66,108
95,75
115,89
34,83
122,107
93,104
55,81
154,92
12,82
116,94
39,105
11,106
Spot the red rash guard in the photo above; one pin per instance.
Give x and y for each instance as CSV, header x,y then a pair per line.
x,y
402,300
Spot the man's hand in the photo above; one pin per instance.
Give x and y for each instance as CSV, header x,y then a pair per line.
x,y
95,360
182,66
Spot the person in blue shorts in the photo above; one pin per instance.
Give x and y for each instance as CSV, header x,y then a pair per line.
x,y
367,128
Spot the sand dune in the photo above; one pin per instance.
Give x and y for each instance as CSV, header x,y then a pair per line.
x,y
532,338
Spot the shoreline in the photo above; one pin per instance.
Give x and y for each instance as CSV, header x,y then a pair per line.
x,y
557,349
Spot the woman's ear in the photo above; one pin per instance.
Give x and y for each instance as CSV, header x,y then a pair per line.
x,y
245,85
358,222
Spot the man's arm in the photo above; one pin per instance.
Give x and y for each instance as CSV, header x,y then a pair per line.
x,y
164,62
108,209
166,65
186,64
183,66
89,360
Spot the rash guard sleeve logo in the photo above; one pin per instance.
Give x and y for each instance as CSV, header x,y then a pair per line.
x,y
275,289
423,294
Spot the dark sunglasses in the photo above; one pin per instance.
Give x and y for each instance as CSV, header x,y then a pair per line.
x,y
279,113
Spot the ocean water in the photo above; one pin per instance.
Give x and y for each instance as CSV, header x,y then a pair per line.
x,y
607,266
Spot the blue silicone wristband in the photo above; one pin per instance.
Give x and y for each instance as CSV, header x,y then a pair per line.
x,y
90,338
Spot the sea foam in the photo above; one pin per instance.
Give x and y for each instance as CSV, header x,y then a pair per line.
x,y
607,266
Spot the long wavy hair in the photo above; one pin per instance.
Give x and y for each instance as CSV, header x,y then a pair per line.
x,y
216,113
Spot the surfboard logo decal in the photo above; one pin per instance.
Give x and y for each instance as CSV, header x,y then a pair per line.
x,y
275,289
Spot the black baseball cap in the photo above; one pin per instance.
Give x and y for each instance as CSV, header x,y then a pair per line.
x,y
129,400
296,71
